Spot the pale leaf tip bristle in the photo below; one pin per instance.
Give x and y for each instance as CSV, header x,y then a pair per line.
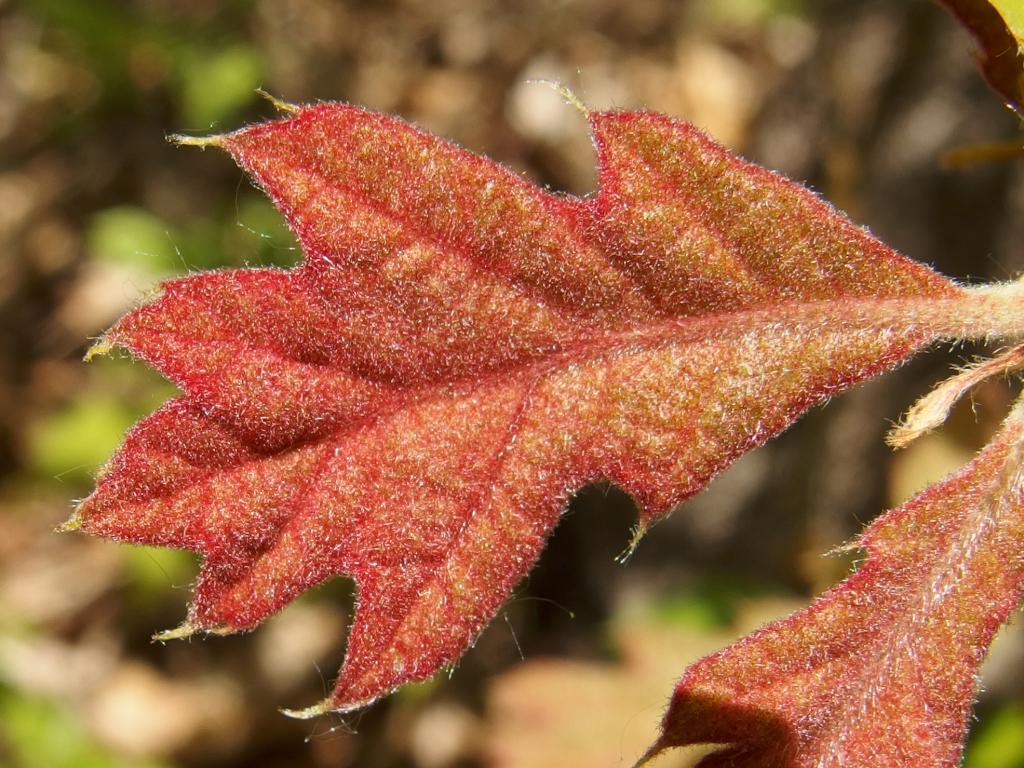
x,y
638,533
565,92
308,713
73,523
182,140
178,633
855,544
100,347
279,104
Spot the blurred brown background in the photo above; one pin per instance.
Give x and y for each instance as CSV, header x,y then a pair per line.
x,y
860,99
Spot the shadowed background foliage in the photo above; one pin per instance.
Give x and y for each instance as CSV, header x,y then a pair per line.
x,y
862,100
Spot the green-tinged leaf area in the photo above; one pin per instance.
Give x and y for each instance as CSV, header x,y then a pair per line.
x,y
413,405
880,670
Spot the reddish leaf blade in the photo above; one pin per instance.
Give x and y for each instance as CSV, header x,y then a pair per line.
x,y
881,669
414,404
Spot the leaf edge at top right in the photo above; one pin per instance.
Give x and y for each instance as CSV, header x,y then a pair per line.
x,y
998,28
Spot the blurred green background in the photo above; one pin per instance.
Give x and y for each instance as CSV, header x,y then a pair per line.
x,y
860,98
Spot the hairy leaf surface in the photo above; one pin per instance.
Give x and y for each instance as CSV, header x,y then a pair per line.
x,y
414,404
880,670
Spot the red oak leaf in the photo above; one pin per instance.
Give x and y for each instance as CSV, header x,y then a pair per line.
x,y
414,404
879,671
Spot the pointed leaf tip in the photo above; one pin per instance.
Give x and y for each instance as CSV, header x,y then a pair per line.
x,y
181,632
307,713
101,347
567,94
279,104
183,140
655,750
73,523
639,531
